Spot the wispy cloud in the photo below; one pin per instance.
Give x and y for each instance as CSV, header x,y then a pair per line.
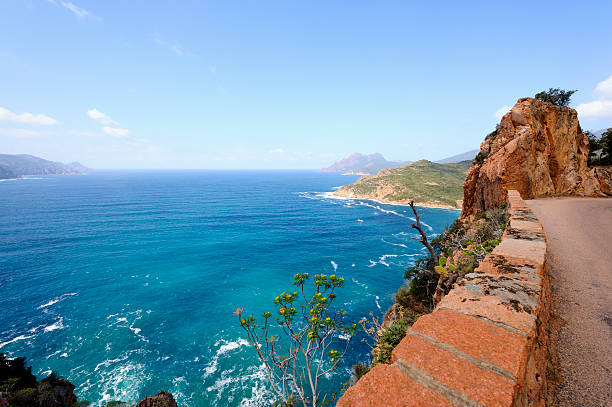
x,y
499,113
110,126
176,48
115,131
78,12
602,107
38,119
276,151
212,69
101,117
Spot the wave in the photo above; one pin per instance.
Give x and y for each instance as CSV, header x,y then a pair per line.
x,y
223,349
59,324
376,301
56,300
334,265
394,244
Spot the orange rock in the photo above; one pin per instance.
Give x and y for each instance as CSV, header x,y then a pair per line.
x,y
539,150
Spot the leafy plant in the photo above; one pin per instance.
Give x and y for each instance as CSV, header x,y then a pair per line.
x,y
481,157
295,363
556,96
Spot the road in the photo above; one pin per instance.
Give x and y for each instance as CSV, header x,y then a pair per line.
x,y
579,235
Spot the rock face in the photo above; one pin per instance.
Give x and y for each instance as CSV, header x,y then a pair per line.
x,y
539,150
161,399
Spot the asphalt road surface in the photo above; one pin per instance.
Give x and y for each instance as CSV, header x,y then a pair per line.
x,y
579,235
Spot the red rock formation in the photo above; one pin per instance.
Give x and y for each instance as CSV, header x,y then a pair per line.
x,y
539,150
161,399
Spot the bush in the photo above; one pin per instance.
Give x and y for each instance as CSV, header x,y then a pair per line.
x,y
480,157
389,338
556,96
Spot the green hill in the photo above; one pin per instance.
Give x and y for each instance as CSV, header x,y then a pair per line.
x,y
427,183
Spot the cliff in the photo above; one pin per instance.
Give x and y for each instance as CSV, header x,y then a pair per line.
x,y
539,150
426,183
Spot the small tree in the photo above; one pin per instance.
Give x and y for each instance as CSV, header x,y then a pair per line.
x,y
600,150
556,96
295,364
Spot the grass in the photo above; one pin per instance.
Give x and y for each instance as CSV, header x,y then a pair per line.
x,y
421,181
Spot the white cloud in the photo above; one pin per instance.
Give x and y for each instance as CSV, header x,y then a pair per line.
x,y
598,109
499,113
212,69
101,117
276,151
115,131
29,118
605,88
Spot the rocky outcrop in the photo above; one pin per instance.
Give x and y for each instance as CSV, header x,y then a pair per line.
x,y
161,399
539,150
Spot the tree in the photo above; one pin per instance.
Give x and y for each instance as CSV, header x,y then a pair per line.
x,y
294,364
600,150
556,96
606,146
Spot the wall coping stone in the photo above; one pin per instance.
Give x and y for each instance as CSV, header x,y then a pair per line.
x,y
485,344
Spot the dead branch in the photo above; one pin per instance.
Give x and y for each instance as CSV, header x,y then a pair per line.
x,y
423,238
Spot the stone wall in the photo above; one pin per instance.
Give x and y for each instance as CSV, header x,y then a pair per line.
x,y
486,342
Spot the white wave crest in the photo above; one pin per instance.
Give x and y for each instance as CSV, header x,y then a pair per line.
x,y
56,300
227,346
334,265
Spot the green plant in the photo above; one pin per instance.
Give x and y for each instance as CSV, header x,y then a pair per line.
x,y
556,96
295,364
481,157
388,339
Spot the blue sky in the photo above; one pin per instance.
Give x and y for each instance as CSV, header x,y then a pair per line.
x,y
285,84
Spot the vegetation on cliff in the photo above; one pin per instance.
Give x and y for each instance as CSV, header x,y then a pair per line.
x,y
452,255
19,387
422,181
556,96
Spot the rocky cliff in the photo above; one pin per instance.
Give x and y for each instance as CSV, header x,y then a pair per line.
x,y
539,150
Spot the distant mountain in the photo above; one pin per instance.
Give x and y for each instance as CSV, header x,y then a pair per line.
x,y
77,166
362,164
424,182
18,165
468,155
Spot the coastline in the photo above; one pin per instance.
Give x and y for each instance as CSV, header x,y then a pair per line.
x,y
399,203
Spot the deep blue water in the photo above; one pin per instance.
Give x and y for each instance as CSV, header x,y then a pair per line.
x,y
125,282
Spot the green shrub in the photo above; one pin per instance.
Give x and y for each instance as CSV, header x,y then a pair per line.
x,y
555,96
389,338
481,157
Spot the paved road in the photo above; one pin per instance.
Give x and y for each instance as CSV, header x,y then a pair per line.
x,y
579,235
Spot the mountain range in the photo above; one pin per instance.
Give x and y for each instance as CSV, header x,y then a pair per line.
x,y
371,164
18,165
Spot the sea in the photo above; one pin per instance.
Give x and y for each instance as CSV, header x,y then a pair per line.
x,y
126,282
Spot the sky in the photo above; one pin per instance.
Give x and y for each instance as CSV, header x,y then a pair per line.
x,y
286,84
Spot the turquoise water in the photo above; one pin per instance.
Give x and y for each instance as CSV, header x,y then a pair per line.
x,y
125,282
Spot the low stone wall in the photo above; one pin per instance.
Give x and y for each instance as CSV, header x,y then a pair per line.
x,y
486,342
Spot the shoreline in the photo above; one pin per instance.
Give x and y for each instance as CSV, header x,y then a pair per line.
x,y
398,203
